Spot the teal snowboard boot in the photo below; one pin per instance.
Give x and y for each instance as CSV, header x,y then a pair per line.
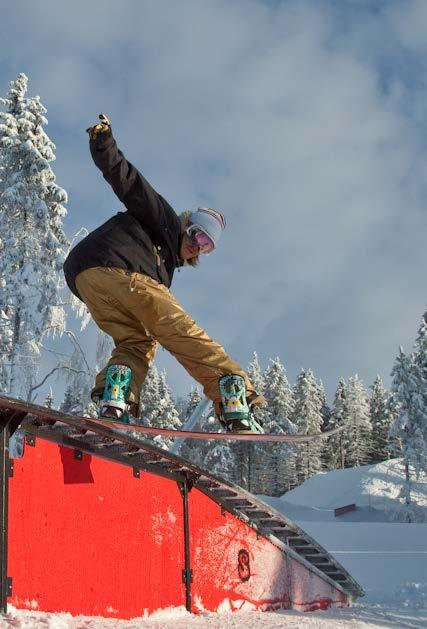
x,y
236,412
113,404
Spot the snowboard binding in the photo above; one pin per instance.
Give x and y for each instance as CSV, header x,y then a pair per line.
x,y
237,414
113,404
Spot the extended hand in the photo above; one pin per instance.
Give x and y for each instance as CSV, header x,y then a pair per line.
x,y
101,127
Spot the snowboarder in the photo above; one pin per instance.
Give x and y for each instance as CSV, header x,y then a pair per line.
x,y
123,270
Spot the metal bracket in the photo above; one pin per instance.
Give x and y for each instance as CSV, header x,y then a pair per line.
x,y
185,487
31,440
78,455
10,468
136,473
9,584
187,576
11,418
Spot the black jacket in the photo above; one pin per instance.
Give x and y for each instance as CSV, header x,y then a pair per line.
x,y
146,238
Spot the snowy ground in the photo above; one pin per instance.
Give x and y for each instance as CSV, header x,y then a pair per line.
x,y
365,618
387,557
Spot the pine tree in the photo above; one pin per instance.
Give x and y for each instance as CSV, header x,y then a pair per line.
x,y
248,457
49,399
32,242
411,423
200,452
275,463
70,403
255,374
220,459
194,398
79,382
150,397
325,411
381,419
104,349
157,406
5,348
420,350
168,415
395,441
357,439
333,455
307,416
279,396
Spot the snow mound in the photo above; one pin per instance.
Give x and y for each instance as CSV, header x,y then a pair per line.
x,y
383,552
374,489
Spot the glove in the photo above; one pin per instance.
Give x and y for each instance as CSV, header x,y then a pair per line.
x,y
101,127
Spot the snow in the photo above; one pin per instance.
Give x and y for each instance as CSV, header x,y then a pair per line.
x,y
178,618
388,559
385,555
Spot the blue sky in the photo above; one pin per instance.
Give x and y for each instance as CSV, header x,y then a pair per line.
x,y
303,121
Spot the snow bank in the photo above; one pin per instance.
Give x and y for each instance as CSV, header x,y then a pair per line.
x,y
357,618
387,558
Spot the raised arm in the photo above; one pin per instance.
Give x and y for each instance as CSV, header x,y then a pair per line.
x,y
128,183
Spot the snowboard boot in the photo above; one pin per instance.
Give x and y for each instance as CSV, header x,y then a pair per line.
x,y
113,404
237,415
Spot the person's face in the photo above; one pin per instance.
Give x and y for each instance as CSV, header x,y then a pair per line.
x,y
188,249
194,242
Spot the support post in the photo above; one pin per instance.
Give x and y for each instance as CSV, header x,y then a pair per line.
x,y
7,419
187,573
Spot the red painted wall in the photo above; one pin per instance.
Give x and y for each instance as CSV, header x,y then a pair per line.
x,y
88,538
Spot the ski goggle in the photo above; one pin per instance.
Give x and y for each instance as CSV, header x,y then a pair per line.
x,y
199,239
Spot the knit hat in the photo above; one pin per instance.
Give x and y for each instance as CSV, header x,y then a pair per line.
x,y
209,221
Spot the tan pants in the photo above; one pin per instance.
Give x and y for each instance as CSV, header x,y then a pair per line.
x,y
138,312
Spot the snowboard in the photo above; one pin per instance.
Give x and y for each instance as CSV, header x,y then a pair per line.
x,y
14,412
218,436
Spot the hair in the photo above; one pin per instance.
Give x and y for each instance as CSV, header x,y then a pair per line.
x,y
185,221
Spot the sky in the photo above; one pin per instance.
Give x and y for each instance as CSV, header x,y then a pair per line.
x,y
303,121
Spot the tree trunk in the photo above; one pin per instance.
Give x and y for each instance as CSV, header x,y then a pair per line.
x,y
14,359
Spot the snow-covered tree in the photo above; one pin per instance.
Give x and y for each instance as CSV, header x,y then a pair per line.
x,y
411,423
279,396
157,406
255,374
79,382
248,458
273,469
5,346
220,460
168,416
150,397
381,419
307,417
195,396
104,349
205,453
357,439
49,399
333,455
32,241
420,350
